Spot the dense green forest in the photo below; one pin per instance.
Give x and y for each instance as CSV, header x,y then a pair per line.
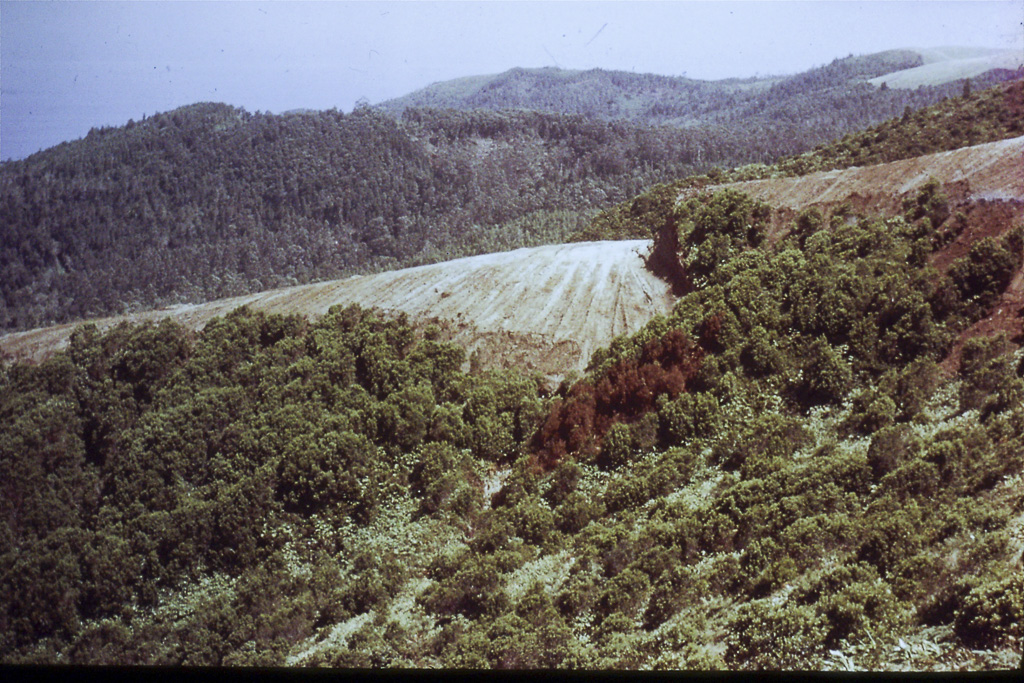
x,y
972,118
777,475
210,201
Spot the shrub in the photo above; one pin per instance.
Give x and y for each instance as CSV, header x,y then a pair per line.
x,y
855,602
624,392
331,469
763,448
992,612
892,531
627,493
563,482
625,593
760,357
985,272
474,589
689,416
990,382
578,593
441,474
890,448
871,412
763,635
917,479
532,520
576,512
618,446
826,376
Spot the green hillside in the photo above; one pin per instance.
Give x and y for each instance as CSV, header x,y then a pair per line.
x,y
777,475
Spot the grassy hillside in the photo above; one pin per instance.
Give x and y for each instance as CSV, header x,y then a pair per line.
x,y
776,475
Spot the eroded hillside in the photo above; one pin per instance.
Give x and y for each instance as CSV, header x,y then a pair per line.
x,y
990,172
544,309
982,195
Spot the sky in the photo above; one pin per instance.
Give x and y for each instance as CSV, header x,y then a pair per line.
x,y
66,67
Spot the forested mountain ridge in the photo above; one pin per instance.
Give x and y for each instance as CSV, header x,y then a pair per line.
x,y
210,201
822,102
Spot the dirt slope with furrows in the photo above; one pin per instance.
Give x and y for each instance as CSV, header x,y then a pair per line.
x,y
993,172
544,309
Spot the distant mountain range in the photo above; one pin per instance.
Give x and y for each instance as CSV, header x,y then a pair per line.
x,y
832,93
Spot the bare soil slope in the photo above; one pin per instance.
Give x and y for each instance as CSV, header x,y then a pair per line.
x,y
944,65
542,310
990,172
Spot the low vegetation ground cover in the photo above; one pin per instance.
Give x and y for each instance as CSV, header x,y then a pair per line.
x,y
776,475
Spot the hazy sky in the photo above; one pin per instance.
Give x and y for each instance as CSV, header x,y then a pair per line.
x,y
68,66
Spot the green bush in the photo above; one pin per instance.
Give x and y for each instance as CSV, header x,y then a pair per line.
x,y
617,448
473,590
985,272
871,412
992,613
563,482
532,520
627,493
891,448
763,635
578,593
626,593
827,378
855,602
990,380
328,470
689,416
576,512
